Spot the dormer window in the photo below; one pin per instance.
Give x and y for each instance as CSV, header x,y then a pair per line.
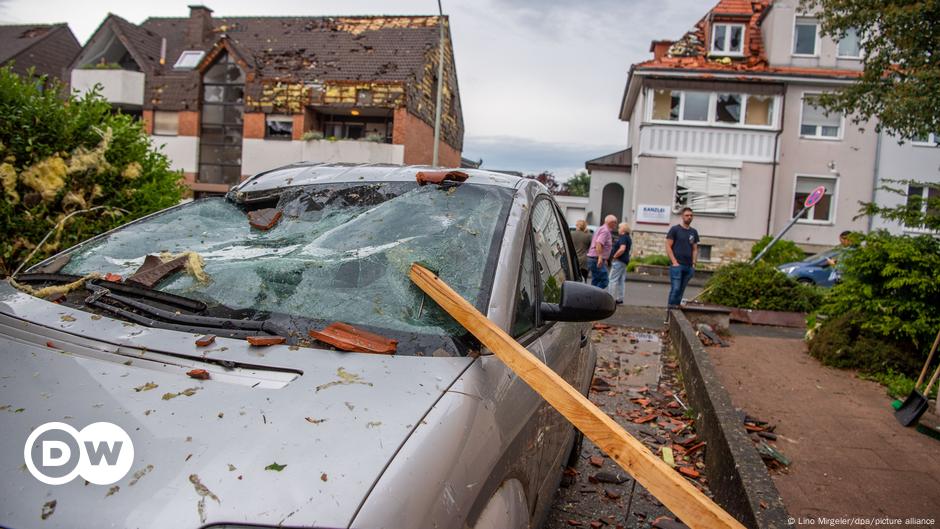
x,y
727,39
189,59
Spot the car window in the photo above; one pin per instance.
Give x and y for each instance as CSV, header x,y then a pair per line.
x,y
340,252
524,315
550,251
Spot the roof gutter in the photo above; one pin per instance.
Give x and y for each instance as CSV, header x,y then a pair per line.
x,y
746,76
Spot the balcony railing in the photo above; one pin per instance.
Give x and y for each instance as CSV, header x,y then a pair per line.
x,y
119,87
709,143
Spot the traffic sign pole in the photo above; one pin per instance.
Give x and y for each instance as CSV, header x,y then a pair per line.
x,y
810,201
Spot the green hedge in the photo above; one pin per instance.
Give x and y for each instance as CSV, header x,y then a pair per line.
x,y
59,155
782,252
759,286
892,285
652,259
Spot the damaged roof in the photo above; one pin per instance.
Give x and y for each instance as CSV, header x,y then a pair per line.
x,y
691,52
368,48
19,40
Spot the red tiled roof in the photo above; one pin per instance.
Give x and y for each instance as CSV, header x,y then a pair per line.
x,y
733,7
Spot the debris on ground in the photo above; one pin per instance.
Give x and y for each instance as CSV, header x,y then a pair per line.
x,y
708,336
761,432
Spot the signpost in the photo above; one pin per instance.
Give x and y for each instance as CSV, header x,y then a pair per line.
x,y
810,201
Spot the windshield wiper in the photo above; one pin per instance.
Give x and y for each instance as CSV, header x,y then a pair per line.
x,y
231,327
155,295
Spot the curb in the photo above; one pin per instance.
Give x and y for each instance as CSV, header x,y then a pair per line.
x,y
737,477
648,278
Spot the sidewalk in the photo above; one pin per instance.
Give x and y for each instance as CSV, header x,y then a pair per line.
x,y
850,457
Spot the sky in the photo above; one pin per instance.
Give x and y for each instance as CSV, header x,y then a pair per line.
x,y
541,81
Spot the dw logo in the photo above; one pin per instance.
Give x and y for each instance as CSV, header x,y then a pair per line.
x,y
56,453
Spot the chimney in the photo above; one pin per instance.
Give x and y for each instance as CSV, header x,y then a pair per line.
x,y
660,48
199,26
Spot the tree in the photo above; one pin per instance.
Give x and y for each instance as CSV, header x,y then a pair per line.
x,y
578,185
916,211
72,168
901,78
547,179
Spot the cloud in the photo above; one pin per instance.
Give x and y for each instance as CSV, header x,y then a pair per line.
x,y
532,156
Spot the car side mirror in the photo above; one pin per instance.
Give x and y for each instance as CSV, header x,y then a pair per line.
x,y
579,302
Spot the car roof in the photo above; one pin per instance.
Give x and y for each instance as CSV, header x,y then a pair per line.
x,y
306,173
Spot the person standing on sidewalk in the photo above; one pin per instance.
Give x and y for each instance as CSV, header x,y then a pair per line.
x,y
619,262
581,238
682,249
599,252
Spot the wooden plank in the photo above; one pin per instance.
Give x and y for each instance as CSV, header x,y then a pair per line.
x,y
684,500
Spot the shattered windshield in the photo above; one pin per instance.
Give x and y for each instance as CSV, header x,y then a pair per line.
x,y
338,252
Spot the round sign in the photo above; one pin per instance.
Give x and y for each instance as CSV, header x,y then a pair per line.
x,y
815,197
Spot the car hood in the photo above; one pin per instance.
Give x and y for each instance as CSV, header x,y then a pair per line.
x,y
204,451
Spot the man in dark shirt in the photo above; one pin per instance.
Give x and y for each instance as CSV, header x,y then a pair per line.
x,y
682,249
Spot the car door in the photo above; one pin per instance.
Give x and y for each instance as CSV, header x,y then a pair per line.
x,y
560,341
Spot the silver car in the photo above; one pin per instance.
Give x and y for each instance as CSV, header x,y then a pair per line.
x,y
222,433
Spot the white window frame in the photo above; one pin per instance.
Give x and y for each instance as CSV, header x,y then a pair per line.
x,y
727,52
817,136
283,118
834,204
184,59
839,44
932,140
712,111
817,42
157,133
690,164
923,209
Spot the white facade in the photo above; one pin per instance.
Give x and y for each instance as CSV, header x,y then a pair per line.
x,y
118,87
573,208
918,161
183,151
261,155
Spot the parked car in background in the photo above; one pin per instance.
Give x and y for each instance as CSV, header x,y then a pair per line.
x,y
814,270
299,434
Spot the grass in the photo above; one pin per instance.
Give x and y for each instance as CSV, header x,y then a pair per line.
x,y
898,386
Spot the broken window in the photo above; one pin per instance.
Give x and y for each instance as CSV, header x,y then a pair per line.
x,y
760,111
340,252
728,108
666,105
804,38
166,123
711,190
278,127
816,122
727,39
822,212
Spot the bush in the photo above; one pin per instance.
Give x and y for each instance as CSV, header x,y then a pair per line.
x,y
759,286
652,259
843,342
782,252
60,155
892,283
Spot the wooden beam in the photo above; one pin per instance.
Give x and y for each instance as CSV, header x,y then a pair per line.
x,y
685,501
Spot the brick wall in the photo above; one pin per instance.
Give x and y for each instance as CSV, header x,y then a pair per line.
x,y
147,117
254,125
418,139
189,123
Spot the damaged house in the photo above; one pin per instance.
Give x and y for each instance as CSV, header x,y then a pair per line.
x,y
723,121
230,97
48,48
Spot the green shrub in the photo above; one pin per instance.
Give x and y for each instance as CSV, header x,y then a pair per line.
x,y
782,252
893,283
759,286
59,155
652,259
843,342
